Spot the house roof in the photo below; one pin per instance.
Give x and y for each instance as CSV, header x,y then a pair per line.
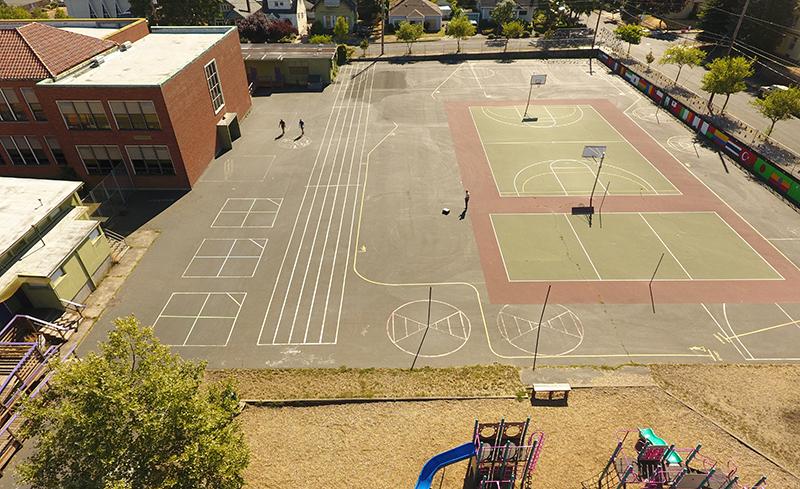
x,y
291,9
349,3
37,51
281,51
521,3
415,8
240,7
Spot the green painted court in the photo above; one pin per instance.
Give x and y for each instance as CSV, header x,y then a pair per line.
x,y
543,158
625,246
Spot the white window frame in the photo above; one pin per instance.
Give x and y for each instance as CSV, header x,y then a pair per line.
x,y
77,146
8,104
217,86
36,161
114,114
29,90
95,238
133,167
47,140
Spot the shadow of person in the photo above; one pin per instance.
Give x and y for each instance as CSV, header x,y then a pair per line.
x,y
462,215
278,136
298,138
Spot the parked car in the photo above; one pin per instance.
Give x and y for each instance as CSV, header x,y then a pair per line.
x,y
764,91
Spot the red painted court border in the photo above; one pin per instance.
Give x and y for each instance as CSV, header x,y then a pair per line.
x,y
477,177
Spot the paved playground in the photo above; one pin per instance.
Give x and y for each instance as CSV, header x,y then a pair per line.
x,y
322,249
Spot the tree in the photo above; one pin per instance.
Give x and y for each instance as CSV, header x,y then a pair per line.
x,y
649,58
341,30
682,55
364,45
146,9
726,75
505,11
455,10
254,28
409,33
460,28
8,12
38,13
630,33
778,105
188,12
281,31
134,415
61,14
512,29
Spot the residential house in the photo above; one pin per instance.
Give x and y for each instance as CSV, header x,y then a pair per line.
x,y
152,107
328,11
233,10
790,45
525,8
27,4
417,12
292,10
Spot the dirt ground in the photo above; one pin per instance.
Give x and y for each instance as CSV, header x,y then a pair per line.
x,y
337,383
384,445
760,403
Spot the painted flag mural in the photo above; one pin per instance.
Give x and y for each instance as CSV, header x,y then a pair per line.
x,y
771,174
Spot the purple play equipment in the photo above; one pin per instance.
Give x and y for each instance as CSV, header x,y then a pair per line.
x,y
645,461
501,456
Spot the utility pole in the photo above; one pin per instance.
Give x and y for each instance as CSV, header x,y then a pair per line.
x,y
594,38
738,25
383,22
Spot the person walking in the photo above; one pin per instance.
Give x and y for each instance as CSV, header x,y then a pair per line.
x,y
466,199
302,127
282,125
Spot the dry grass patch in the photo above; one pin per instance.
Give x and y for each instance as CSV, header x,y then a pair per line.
x,y
384,445
491,380
760,403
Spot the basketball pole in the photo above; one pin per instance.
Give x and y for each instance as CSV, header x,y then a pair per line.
x,y
602,201
650,285
530,92
427,327
539,329
596,178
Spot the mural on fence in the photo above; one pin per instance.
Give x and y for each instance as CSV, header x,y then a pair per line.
x,y
770,173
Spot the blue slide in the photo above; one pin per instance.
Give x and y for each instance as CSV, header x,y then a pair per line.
x,y
451,456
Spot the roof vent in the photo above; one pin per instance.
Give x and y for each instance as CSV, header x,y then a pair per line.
x,y
97,62
125,46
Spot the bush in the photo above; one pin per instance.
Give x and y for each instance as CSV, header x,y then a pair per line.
x,y
280,31
254,28
317,28
320,39
343,54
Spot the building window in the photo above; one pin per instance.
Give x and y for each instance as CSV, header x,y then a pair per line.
x,y
132,114
214,86
11,108
57,274
94,234
33,103
150,160
84,115
99,159
792,43
55,149
24,150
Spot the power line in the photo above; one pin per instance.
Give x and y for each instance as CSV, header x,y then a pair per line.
x,y
758,19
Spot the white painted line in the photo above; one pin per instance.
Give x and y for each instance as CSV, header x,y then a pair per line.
x,y
666,247
477,79
750,246
733,333
499,247
198,258
435,90
583,247
208,296
247,213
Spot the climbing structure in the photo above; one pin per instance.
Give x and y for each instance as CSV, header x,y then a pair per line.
x,y
505,455
646,461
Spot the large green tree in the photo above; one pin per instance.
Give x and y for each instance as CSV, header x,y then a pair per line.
x,y
779,105
512,30
177,12
682,55
505,11
630,33
409,33
133,415
726,76
341,30
460,28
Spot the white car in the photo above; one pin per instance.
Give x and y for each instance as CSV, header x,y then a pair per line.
x,y
764,91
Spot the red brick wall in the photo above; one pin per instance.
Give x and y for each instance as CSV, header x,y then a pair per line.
x,y
48,95
132,32
189,103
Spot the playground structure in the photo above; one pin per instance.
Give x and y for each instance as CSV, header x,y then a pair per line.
x,y
500,457
646,461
